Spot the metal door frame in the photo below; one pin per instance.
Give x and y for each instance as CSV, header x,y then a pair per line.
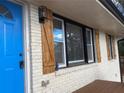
x,y
120,61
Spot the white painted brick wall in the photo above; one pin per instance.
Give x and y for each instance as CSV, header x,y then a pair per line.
x,y
108,70
68,79
36,56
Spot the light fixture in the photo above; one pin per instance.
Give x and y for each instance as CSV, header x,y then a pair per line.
x,y
42,13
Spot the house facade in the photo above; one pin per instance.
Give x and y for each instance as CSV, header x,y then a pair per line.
x,y
76,44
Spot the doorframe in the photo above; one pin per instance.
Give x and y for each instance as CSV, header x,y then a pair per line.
x,y
26,44
119,60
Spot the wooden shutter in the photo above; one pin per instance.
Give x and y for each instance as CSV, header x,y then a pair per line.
x,y
98,47
114,50
107,44
48,45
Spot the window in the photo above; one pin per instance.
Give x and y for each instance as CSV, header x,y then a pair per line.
x,y
89,45
59,42
110,46
74,35
73,43
4,12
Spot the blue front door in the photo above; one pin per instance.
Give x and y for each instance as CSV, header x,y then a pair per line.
x,y
11,48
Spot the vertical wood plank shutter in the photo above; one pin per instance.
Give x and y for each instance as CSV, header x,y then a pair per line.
x,y
48,45
114,50
107,44
98,47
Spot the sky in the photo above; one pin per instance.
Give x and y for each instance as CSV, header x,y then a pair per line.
x,y
58,35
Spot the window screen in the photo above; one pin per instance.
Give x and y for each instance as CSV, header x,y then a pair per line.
x,y
75,49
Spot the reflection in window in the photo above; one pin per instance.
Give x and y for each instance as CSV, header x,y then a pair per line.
x,y
111,47
59,44
4,12
74,43
89,45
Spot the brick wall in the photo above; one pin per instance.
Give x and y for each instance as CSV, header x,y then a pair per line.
x,y
36,56
69,79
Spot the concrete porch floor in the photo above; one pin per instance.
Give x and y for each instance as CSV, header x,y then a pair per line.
x,y
100,86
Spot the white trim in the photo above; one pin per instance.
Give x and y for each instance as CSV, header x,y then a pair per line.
x,y
91,38
27,49
76,61
90,61
62,64
26,43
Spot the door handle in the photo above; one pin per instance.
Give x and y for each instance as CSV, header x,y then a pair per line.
x,y
21,64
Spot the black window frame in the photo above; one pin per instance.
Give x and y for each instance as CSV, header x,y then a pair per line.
x,y
67,20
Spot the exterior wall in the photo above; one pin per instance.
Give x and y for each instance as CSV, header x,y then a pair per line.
x,y
68,79
108,70
36,56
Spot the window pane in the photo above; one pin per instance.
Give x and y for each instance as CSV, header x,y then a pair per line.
x,y
4,12
58,32
88,36
111,47
89,50
74,43
89,45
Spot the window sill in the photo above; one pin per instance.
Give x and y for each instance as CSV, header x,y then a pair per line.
x,y
112,60
70,69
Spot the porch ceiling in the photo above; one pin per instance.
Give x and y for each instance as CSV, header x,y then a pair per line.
x,y
88,12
